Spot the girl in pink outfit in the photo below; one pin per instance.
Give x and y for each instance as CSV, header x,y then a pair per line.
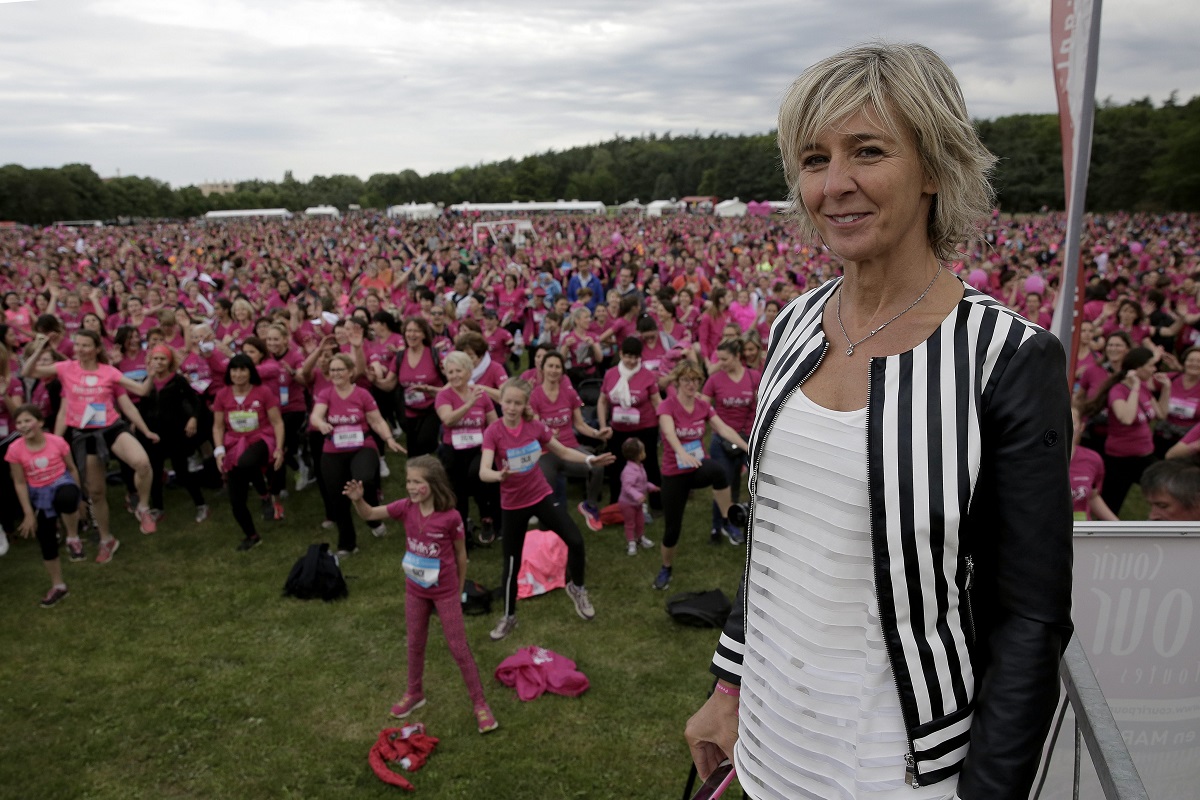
x,y
635,487
435,569
512,446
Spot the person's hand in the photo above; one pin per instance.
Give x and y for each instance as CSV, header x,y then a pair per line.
x,y
355,335
688,461
189,429
27,527
712,732
220,459
1132,381
278,462
603,460
1162,379
504,473
653,488
396,447
378,371
353,490
604,433
153,437
324,427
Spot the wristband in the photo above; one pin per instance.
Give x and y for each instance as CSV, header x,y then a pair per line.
x,y
218,451
589,460
732,692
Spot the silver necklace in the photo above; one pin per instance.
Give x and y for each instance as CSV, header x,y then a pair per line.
x,y
851,345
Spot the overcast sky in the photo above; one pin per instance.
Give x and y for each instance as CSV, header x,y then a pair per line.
x,y
189,91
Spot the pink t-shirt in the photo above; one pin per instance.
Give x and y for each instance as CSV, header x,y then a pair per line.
x,y
198,372
16,390
643,386
1134,439
291,394
689,429
348,416
499,344
519,450
467,432
42,467
493,377
1087,476
425,372
1183,403
89,394
246,417
558,415
429,539
734,401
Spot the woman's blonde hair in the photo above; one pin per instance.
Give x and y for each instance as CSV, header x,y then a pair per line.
x,y
460,359
914,93
521,386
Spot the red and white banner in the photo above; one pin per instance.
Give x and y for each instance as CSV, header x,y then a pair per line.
x,y
1075,42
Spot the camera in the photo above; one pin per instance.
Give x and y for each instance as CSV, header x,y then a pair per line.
x,y
739,515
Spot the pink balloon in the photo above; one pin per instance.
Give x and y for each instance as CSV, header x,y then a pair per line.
x,y
1135,247
978,279
1034,283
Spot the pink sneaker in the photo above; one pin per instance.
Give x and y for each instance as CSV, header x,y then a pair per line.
x,y
407,705
107,549
486,719
146,521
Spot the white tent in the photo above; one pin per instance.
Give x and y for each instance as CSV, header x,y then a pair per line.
x,y
631,206
659,207
730,208
244,213
576,206
322,211
414,211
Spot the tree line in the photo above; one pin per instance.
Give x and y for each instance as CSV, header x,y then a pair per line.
x,y
1144,158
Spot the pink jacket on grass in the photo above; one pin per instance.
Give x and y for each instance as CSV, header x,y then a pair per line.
x,y
534,670
543,564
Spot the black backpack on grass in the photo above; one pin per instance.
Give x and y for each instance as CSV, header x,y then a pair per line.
x,y
316,574
476,599
707,609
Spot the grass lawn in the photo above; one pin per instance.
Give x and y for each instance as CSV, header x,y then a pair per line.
x,y
179,670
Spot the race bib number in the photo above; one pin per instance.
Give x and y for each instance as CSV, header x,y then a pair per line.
x,y
421,570
283,395
243,421
652,364
198,384
413,397
523,459
626,416
136,375
347,437
695,449
95,416
1182,407
466,438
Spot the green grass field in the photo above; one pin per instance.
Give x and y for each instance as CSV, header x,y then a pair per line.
x,y
179,670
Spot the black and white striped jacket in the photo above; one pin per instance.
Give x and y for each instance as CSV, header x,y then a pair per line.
x,y
968,448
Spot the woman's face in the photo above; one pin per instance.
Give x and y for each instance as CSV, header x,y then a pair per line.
x,y
630,361
1145,372
28,425
865,189
340,335
726,361
1127,314
135,306
689,385
159,363
552,369
276,343
255,354
1115,349
338,373
456,375
1191,365
583,318
750,352
92,323
413,335
239,376
513,403
85,350
11,300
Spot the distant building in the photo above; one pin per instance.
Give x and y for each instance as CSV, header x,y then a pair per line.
x,y
223,187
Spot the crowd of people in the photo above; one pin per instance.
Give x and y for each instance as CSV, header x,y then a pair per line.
x,y
277,355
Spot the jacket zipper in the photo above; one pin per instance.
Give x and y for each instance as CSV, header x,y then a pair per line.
x,y
754,482
970,564
911,776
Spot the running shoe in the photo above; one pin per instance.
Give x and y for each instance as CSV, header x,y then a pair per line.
x,y
664,578
277,510
631,549
714,536
53,596
304,477
3,542
487,531
379,531
733,533
249,543
344,553
327,524
645,543
202,513
131,502
591,515
384,472
486,719
583,605
407,705
646,513
146,523
504,627
75,549
107,550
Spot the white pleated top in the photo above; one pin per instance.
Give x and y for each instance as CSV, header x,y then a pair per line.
x,y
820,711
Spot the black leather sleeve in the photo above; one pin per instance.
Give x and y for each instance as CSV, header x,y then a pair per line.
x,y
1020,537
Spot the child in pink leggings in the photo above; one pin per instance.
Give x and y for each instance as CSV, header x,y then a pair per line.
x,y
634,488
435,569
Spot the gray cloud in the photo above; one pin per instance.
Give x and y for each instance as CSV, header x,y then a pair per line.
x,y
187,92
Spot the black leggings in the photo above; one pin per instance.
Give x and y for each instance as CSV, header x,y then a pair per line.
x,y
253,463
462,466
675,491
420,432
1120,473
337,469
66,501
293,427
649,439
178,450
551,516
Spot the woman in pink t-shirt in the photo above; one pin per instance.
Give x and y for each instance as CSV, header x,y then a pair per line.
x,y
345,414
1183,408
682,420
512,446
435,569
293,397
92,390
47,485
732,390
417,378
249,438
465,412
628,401
1135,396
